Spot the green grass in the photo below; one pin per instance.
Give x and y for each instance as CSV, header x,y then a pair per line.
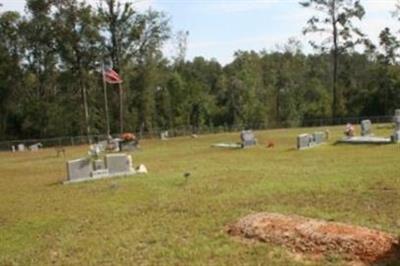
x,y
159,219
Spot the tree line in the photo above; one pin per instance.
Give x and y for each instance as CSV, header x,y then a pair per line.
x,y
52,57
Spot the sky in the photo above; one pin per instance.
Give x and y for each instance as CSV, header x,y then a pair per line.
x,y
218,28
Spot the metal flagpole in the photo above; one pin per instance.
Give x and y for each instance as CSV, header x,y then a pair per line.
x,y
106,102
121,109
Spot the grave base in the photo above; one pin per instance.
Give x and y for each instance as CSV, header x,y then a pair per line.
x,y
365,140
98,177
228,145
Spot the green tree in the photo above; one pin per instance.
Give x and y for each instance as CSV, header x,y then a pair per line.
x,y
335,19
78,42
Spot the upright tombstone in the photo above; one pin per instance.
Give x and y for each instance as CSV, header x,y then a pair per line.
x,y
366,128
164,135
319,137
118,163
21,147
13,148
396,120
35,147
79,169
248,138
305,141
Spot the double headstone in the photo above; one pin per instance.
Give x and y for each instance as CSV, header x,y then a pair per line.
x,y
366,128
304,141
86,169
248,138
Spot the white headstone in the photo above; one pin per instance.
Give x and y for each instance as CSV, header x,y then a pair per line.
x,y
21,147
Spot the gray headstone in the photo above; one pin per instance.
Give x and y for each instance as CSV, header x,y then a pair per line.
x,y
305,141
79,169
396,120
118,163
366,128
248,138
319,137
13,148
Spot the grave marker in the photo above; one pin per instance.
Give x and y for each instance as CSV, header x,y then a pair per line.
x,y
21,147
248,138
79,169
396,120
118,163
366,128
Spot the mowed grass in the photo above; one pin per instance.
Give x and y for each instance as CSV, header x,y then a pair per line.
x,y
161,219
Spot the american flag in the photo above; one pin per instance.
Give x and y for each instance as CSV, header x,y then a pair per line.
x,y
112,77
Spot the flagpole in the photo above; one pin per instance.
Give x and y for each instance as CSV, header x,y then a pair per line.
x,y
106,102
121,109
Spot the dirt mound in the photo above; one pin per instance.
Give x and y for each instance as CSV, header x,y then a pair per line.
x,y
316,237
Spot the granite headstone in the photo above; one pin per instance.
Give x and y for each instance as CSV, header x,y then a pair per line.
x,y
366,128
79,169
248,138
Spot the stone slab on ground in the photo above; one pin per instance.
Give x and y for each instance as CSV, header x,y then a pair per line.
x,y
317,237
227,145
365,140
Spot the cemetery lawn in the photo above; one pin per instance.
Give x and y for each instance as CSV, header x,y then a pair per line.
x,y
163,219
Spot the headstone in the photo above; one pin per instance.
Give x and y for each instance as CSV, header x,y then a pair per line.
x,y
35,147
118,163
319,137
366,128
79,169
248,138
305,141
396,120
13,148
21,147
164,135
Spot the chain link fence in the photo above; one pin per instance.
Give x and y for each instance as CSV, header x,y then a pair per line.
x,y
190,130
